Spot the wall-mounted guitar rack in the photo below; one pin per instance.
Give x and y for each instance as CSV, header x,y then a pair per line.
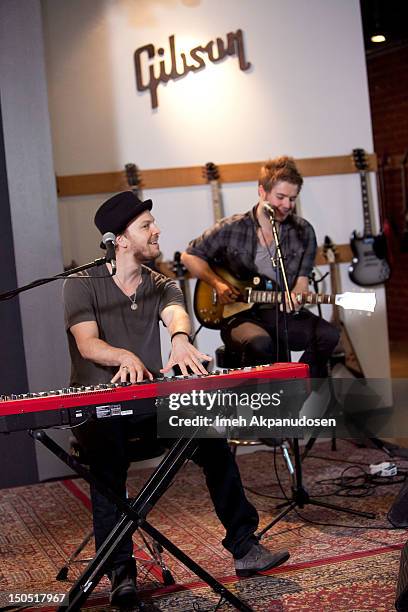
x,y
160,178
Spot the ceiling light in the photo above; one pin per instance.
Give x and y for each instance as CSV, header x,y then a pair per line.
x,y
378,38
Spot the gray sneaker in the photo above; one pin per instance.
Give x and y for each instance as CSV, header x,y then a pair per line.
x,y
259,559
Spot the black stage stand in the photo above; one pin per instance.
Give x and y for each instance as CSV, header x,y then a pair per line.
x,y
300,496
333,403
134,517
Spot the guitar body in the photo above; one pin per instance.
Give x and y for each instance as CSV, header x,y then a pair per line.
x,y
368,267
209,312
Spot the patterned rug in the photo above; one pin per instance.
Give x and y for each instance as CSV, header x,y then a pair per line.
x,y
350,565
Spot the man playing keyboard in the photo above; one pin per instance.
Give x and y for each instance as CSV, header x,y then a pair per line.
x,y
112,325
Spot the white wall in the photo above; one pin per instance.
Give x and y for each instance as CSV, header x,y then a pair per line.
x,y
305,94
33,202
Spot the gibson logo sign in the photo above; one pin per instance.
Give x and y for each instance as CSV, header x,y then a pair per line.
x,y
153,62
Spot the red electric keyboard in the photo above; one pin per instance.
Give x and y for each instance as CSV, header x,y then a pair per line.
x,y
74,405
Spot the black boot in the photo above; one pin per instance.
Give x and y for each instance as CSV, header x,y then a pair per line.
x,y
124,592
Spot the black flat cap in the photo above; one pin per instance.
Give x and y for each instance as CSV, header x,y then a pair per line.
x,y
115,214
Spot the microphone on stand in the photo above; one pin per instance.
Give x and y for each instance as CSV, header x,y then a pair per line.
x,y
269,209
108,239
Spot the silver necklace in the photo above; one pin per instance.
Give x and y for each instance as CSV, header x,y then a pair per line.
x,y
133,305
268,248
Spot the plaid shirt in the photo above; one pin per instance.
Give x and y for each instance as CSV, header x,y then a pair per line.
x,y
232,242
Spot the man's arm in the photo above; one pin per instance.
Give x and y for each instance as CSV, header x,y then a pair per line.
x,y
198,267
94,349
183,353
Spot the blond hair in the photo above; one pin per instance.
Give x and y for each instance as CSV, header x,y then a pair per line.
x,y
280,169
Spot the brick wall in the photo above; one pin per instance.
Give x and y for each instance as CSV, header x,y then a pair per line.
x,y
388,84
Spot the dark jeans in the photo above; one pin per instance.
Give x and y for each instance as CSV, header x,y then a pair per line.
x,y
260,336
105,443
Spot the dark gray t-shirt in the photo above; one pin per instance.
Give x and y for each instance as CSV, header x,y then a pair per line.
x,y
94,296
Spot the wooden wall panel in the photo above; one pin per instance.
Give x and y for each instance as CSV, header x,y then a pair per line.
x,y
110,182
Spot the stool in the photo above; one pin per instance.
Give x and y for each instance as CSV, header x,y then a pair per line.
x,y
138,449
225,358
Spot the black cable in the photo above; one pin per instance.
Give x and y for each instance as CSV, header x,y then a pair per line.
x,y
335,459
277,476
307,520
254,492
197,607
341,484
221,602
196,334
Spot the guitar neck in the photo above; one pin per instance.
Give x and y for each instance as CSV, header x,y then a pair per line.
x,y
335,290
366,207
216,200
256,296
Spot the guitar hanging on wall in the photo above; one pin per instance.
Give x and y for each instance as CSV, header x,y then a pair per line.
x,y
212,175
344,351
369,265
201,300
134,183
183,281
133,179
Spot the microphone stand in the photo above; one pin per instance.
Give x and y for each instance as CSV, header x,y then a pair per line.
x,y
8,295
332,402
300,496
280,262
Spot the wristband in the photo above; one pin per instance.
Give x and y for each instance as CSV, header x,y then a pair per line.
x,y
178,333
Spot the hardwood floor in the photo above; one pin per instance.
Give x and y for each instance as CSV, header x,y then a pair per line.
x,y
399,359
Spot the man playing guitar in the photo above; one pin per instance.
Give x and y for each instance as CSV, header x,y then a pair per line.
x,y
244,245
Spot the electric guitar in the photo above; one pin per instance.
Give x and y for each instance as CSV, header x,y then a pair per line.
x,y
210,313
134,182
344,351
212,175
181,277
133,179
369,265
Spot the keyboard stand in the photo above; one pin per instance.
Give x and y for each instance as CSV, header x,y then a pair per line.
x,y
134,517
